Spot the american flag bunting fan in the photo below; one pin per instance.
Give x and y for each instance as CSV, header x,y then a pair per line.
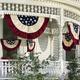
x,y
29,27
10,45
67,41
74,31
30,45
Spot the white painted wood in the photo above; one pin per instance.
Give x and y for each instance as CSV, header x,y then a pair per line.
x,y
60,41
53,69
53,44
56,47
1,36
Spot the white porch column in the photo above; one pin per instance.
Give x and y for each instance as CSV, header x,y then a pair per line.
x,y
60,40
1,36
56,47
51,43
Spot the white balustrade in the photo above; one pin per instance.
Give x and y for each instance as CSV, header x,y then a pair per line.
x,y
6,69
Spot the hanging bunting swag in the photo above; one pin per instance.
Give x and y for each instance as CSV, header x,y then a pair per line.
x,y
67,42
28,27
30,45
74,31
10,45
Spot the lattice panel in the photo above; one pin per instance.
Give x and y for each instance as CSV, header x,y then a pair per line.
x,y
56,47
71,15
30,8
55,31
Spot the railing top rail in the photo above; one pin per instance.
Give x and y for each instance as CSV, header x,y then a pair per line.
x,y
26,1
14,60
75,3
5,60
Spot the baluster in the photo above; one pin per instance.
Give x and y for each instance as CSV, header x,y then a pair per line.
x,y
3,63
24,8
1,68
5,66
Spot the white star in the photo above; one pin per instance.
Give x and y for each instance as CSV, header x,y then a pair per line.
x,y
23,22
30,19
32,22
26,22
27,18
35,20
20,18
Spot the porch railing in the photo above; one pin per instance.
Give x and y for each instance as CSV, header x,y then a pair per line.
x,y
6,67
